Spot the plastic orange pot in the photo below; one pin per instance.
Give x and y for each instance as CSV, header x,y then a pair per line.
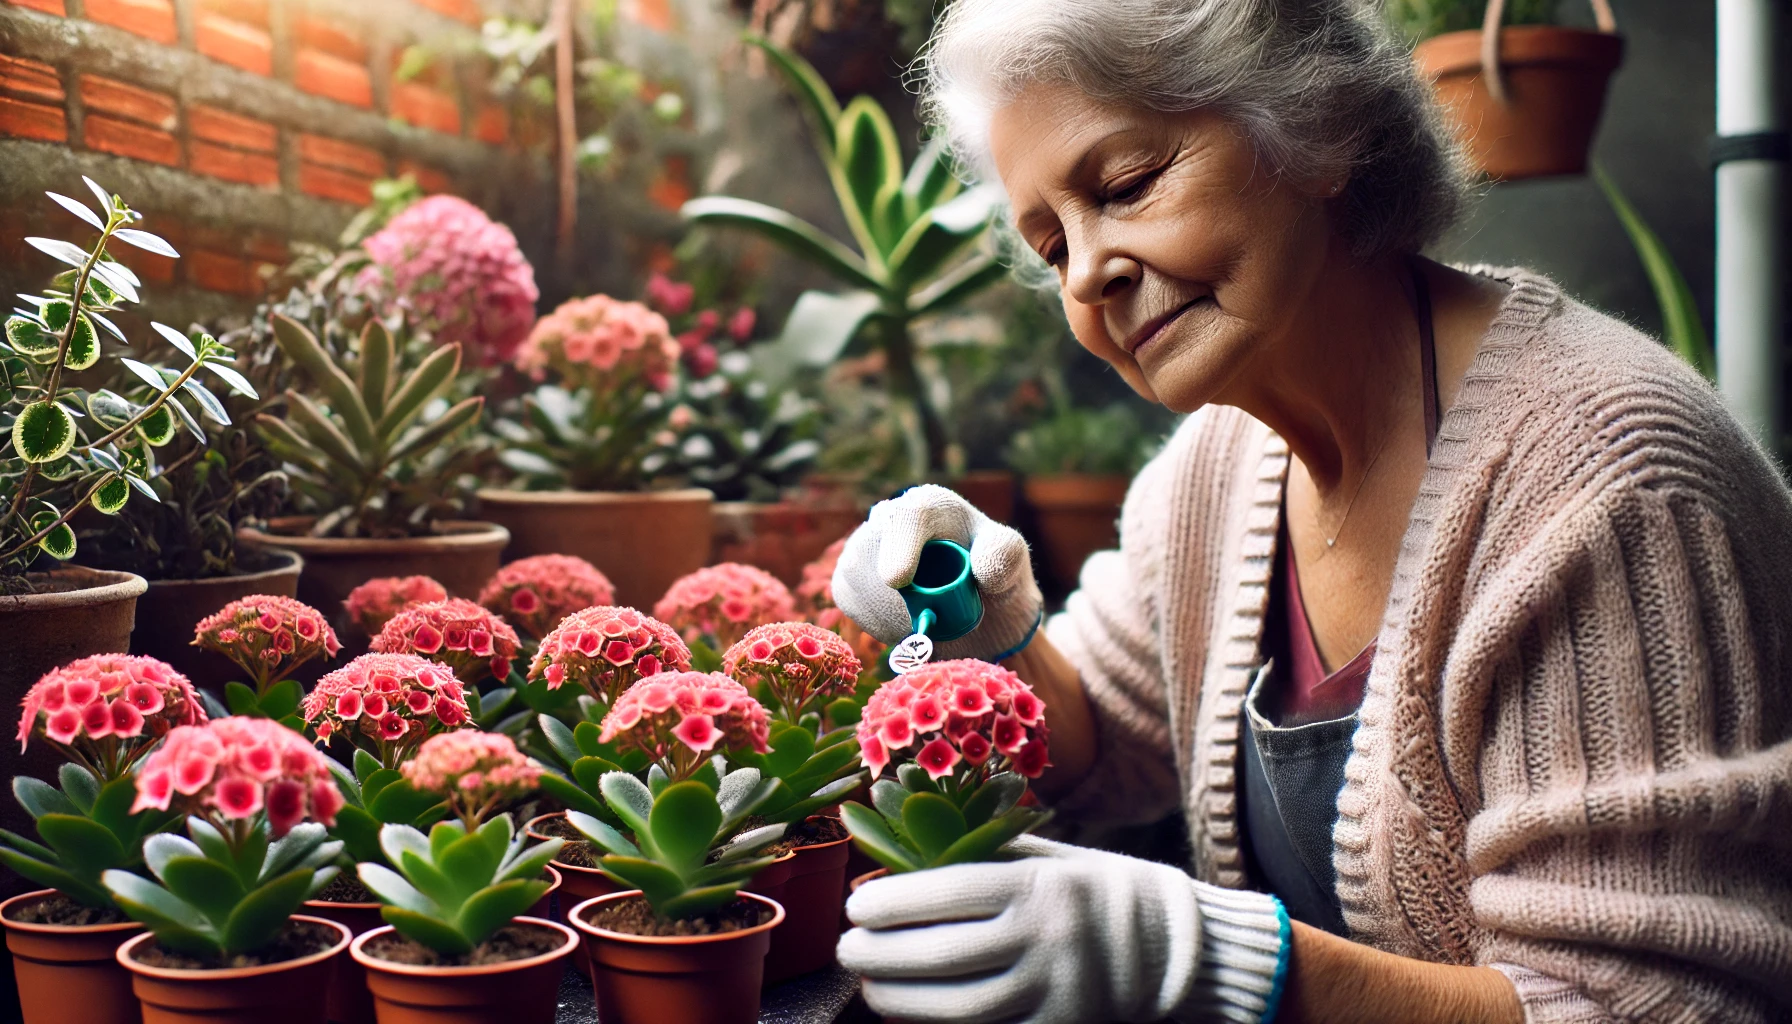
x,y
69,974
514,992
813,895
577,884
289,992
867,877
676,979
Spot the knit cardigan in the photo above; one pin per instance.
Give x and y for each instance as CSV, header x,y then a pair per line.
x,y
1573,761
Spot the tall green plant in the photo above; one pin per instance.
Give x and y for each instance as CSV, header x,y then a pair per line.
x,y
1419,20
1681,326
914,230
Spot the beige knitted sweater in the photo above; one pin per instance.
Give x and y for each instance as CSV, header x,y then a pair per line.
x,y
1574,761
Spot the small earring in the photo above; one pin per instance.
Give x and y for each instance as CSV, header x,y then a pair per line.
x,y
1336,187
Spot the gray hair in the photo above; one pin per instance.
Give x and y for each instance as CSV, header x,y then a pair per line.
x,y
1322,87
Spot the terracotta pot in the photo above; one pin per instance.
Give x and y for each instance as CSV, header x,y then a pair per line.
x,y
779,537
990,490
544,907
866,877
514,992
1554,82
462,557
1077,515
289,992
76,612
577,884
168,612
683,979
769,882
641,540
348,1001
70,974
813,895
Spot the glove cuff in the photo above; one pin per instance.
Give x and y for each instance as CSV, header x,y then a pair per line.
x,y
1009,622
1245,941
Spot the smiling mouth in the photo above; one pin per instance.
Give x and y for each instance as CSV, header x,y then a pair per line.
x,y
1152,330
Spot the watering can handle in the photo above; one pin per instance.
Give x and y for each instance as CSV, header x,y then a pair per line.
x,y
1490,41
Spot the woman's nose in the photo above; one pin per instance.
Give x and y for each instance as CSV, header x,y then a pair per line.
x,y
1101,276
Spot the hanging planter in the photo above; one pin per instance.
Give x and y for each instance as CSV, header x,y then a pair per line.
x,y
1526,99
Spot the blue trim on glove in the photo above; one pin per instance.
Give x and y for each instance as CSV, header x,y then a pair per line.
x,y
1017,648
1285,931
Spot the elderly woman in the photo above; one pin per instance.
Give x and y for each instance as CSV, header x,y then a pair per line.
x,y
1454,618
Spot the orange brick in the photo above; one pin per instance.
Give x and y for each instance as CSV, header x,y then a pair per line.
x,y
220,272
671,187
459,10
425,107
235,43
339,155
151,268
30,80
110,96
655,14
249,12
123,138
32,120
152,19
430,179
47,6
266,248
492,124
233,164
331,38
330,183
333,78
227,129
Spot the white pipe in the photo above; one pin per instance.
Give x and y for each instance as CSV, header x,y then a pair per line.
x,y
1750,251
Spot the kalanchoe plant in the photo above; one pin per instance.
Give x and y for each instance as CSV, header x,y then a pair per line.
x,y
534,594
677,718
227,889
605,649
474,772
66,448
715,606
387,705
368,452
269,637
377,796
450,890
981,734
815,601
796,665
372,604
471,640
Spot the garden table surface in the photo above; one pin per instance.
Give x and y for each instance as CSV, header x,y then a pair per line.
x,y
818,998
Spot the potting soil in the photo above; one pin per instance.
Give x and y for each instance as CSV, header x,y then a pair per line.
x,y
58,909
513,942
577,850
296,939
636,917
345,888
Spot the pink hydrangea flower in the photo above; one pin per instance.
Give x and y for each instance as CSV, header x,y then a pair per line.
x,y
798,662
470,639
372,604
267,635
234,768
396,701
475,772
602,344
679,718
720,604
605,649
815,602
968,717
534,594
458,272
108,709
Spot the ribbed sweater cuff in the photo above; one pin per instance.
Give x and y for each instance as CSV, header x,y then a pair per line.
x,y
1244,957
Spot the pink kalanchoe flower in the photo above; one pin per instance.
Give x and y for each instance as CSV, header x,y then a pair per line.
x,y
534,594
476,772
234,768
372,604
676,718
966,717
468,638
267,635
458,272
603,345
583,650
394,701
109,709
670,297
815,602
798,662
718,605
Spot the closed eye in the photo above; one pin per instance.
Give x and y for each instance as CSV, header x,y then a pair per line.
x,y
1133,190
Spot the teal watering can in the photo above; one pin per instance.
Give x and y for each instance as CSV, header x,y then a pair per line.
x,y
942,601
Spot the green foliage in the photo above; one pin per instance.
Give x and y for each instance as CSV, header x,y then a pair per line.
x,y
1419,20
225,894
686,857
450,890
579,764
368,450
811,772
376,796
748,441
279,702
1681,326
917,823
1079,440
585,441
85,828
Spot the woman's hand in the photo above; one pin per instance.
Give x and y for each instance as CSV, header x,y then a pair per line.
x,y
881,557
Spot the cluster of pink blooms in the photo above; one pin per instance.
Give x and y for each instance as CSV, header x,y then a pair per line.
x,y
472,641
458,272
602,344
269,636
676,718
536,593
978,715
372,604
674,298
99,704
719,604
235,767
605,649
397,700
798,662
815,601
474,771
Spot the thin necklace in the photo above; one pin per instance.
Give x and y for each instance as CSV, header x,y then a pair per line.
x,y
1332,540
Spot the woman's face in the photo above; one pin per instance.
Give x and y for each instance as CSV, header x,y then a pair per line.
x,y
1182,261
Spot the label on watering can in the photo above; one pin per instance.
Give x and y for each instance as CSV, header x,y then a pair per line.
x,y
915,650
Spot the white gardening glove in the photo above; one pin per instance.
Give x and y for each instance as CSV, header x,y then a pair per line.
x,y
1065,936
881,556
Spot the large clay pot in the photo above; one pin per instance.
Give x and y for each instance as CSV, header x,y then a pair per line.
x,y
990,490
289,992
69,974
642,540
683,979
812,894
1540,117
349,1001
461,557
168,612
514,992
1077,514
779,537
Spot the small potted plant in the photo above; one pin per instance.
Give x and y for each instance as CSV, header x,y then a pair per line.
x,y
269,638
585,446
103,713
457,947
715,606
372,604
535,593
475,643
1077,465
223,936
979,734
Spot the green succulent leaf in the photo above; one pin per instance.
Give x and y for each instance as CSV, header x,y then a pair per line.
x,y
374,370
211,888
495,906
875,838
981,843
684,822
43,432
932,822
158,427
433,932
112,495
788,232
656,881
59,543
79,785
83,345
82,845
31,338
40,798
